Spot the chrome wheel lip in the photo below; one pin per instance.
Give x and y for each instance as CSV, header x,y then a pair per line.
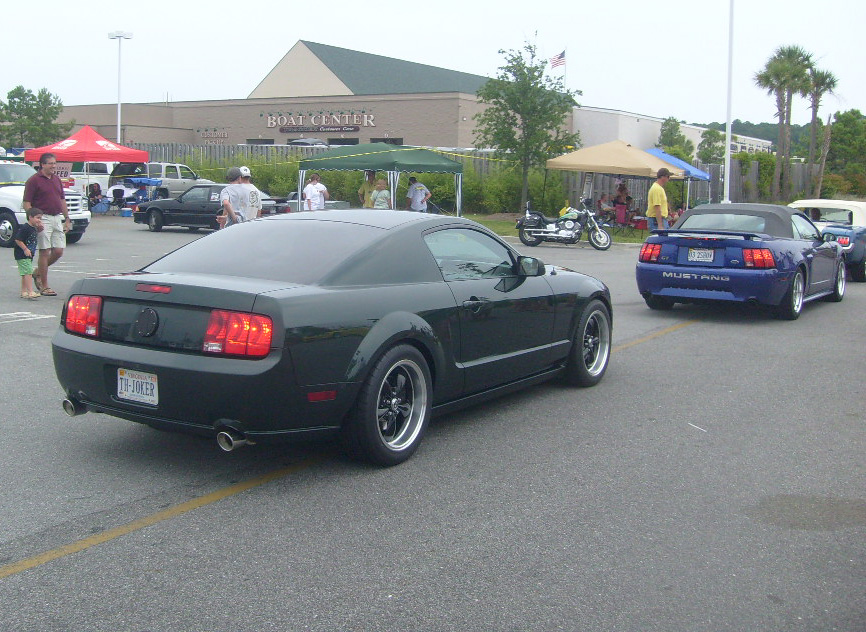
x,y
840,281
405,407
602,238
797,293
7,230
595,341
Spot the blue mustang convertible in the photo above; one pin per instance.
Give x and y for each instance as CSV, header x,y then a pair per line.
x,y
749,253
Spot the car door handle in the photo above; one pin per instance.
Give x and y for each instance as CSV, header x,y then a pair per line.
x,y
475,304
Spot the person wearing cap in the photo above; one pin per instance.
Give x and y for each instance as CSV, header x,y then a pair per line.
x,y
254,207
657,201
417,196
315,194
233,198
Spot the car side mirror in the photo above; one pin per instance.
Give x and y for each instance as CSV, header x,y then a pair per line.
x,y
530,267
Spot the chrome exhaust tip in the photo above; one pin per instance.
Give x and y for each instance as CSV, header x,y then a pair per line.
x,y
229,440
73,407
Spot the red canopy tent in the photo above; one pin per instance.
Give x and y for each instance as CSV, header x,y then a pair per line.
x,y
86,144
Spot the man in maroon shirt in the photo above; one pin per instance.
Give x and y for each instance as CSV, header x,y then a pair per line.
x,y
44,191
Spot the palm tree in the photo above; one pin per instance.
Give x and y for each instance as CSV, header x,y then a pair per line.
x,y
771,78
821,82
797,62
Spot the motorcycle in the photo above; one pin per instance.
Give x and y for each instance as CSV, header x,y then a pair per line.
x,y
534,228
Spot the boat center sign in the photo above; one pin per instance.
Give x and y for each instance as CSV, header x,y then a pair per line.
x,y
323,122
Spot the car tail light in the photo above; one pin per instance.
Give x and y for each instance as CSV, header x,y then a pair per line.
x,y
843,241
650,252
156,289
758,258
83,315
238,333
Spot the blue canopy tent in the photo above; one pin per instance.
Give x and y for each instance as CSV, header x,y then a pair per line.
x,y
691,172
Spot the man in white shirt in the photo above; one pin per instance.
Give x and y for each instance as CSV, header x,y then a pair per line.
x,y
234,199
255,196
417,196
315,194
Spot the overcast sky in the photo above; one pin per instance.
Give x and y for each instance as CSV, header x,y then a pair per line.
x,y
639,57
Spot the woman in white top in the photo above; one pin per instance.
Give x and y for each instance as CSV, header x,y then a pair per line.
x,y
381,196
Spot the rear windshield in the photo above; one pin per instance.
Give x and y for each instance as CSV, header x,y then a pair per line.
x,y
303,252
129,169
725,221
834,215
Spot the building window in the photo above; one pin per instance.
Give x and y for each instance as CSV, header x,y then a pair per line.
x,y
260,141
392,141
342,141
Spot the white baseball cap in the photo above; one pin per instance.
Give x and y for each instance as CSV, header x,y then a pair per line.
x,y
245,172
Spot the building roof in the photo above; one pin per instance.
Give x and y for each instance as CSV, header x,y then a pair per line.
x,y
342,71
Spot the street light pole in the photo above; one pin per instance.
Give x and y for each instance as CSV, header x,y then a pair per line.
x,y
727,199
119,36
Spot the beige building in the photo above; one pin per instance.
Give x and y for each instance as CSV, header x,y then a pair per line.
x,y
340,96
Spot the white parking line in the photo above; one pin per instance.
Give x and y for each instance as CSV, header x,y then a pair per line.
x,y
14,317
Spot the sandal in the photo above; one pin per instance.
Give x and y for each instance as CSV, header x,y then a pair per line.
x,y
35,295
25,295
47,291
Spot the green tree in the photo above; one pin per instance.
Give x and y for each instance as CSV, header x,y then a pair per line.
x,y
29,118
712,146
674,142
847,154
525,113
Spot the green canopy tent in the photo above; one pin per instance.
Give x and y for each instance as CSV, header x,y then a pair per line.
x,y
392,159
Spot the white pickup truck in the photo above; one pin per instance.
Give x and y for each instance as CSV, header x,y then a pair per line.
x,y
13,176
83,174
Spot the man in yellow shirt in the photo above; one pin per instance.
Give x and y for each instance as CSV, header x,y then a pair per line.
x,y
657,201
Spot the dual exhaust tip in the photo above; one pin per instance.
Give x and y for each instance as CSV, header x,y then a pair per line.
x,y
228,439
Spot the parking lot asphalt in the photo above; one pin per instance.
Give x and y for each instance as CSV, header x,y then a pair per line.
x,y
714,480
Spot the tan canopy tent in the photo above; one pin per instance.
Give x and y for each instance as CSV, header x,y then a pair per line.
x,y
616,157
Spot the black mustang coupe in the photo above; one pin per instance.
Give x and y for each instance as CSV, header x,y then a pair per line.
x,y
363,325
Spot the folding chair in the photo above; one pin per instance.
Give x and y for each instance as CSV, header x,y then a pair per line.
x,y
117,200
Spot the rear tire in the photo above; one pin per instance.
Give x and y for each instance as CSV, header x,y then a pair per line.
x,y
74,238
792,303
858,271
527,239
154,221
662,303
389,418
590,349
838,286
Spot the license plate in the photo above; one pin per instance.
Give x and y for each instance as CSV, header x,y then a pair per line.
x,y
137,386
704,255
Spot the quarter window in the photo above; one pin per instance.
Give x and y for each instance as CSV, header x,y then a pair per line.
x,y
462,253
804,229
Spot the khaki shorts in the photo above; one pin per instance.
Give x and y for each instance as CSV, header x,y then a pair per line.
x,y
52,235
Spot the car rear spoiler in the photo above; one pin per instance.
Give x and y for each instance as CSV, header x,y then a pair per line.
x,y
706,234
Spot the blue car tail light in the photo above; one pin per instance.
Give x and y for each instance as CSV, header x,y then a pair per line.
x,y
758,258
650,252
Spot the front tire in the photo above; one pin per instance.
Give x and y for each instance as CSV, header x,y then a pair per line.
x,y
74,238
389,418
590,349
792,303
8,226
154,221
600,239
527,239
838,286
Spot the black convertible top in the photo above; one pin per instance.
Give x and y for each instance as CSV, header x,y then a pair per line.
x,y
372,218
777,218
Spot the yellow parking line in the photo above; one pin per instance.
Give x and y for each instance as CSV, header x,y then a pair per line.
x,y
208,499
171,512
656,334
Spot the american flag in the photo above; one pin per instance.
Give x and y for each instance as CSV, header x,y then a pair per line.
x,y
558,60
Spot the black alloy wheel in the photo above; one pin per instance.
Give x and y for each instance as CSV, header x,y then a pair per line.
x,y
590,350
393,408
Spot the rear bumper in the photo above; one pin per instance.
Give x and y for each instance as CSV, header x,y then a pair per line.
x,y
694,283
198,394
